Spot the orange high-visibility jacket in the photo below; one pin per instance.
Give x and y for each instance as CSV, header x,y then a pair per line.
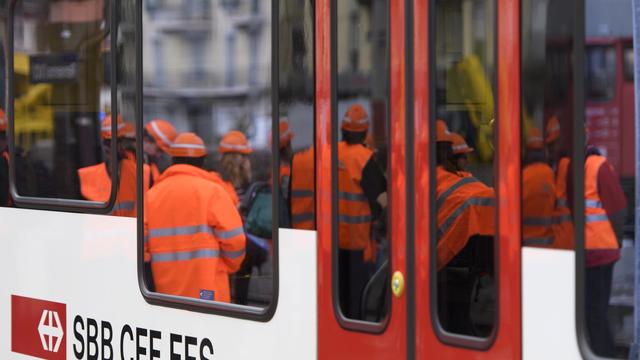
x,y
465,207
354,213
538,204
227,186
303,190
95,185
563,225
194,235
599,233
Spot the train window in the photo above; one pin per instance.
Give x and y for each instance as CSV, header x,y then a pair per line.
x,y
463,125
213,123
627,62
600,72
60,94
547,125
360,166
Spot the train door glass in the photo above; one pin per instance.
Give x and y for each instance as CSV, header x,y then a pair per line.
x,y
361,128
209,112
466,207
609,178
60,92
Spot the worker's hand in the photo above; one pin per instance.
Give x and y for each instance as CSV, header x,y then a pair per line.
x,y
382,200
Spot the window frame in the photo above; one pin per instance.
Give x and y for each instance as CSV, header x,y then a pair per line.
x,y
444,336
252,313
61,204
345,322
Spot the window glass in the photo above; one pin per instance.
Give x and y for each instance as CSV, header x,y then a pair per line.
x,y
609,216
464,176
627,59
362,145
208,125
601,72
547,124
61,97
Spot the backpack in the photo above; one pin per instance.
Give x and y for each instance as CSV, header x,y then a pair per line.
x,y
257,208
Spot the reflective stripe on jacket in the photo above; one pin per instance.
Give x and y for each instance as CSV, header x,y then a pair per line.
x,y
194,235
538,204
354,213
563,225
599,233
465,207
303,190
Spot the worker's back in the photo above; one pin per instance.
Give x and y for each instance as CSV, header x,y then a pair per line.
x,y
465,207
194,234
538,204
303,190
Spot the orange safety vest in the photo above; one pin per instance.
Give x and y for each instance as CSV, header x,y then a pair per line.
x,y
563,224
538,205
193,235
354,214
95,185
465,207
303,190
227,186
5,155
599,233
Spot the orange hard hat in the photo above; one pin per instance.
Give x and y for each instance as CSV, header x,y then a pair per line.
x,y
442,132
459,145
3,121
534,139
286,135
234,142
162,132
105,129
188,145
552,131
355,119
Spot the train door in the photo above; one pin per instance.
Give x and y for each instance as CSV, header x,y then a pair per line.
x,y
360,142
466,87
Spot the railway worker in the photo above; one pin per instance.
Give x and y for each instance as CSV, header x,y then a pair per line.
x,y
302,202
362,190
460,149
235,166
605,210
286,156
538,194
194,232
5,198
563,224
158,135
95,180
465,206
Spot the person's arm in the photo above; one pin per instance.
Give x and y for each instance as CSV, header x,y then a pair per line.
x,y
226,223
373,184
612,198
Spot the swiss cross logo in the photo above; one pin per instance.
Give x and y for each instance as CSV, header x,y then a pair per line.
x,y
37,327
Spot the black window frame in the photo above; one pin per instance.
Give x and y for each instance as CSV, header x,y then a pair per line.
x,y
628,71
345,322
444,336
61,204
252,313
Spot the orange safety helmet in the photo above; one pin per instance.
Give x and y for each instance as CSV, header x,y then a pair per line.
x,y
162,132
355,119
459,145
105,129
442,132
552,131
3,121
286,135
534,139
188,145
234,142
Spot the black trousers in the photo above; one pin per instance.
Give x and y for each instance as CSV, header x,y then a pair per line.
x,y
354,273
598,291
